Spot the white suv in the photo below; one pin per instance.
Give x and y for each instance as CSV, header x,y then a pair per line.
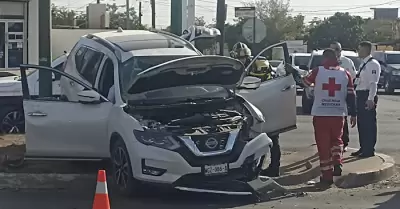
x,y
175,117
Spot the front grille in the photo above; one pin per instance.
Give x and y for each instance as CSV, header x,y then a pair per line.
x,y
211,142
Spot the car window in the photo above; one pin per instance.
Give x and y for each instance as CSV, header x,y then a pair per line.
x,y
393,58
90,64
317,60
106,77
79,57
301,60
55,95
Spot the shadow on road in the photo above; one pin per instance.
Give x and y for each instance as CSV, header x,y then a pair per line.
x,y
393,202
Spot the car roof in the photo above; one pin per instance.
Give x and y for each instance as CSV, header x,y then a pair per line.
x,y
130,40
301,54
388,52
344,53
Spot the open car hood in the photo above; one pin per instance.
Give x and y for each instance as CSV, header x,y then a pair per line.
x,y
194,70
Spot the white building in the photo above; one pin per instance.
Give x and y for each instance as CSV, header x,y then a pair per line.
x,y
19,33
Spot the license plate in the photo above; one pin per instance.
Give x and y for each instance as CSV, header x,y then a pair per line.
x,y
210,170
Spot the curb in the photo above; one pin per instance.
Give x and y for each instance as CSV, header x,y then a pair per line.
x,y
358,179
46,181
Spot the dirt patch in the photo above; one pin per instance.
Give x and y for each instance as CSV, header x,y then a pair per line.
x,y
12,146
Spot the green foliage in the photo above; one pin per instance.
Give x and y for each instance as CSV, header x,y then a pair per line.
x,y
342,27
63,17
279,23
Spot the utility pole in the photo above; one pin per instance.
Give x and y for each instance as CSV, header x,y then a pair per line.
x,y
127,15
153,13
176,17
221,17
140,13
45,81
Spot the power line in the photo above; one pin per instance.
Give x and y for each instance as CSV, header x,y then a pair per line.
x,y
352,8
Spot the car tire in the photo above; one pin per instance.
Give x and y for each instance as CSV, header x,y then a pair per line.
x,y
122,174
306,103
12,120
388,87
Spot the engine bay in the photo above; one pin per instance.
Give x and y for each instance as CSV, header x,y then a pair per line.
x,y
195,119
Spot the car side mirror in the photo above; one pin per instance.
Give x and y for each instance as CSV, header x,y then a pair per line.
x,y
89,97
303,67
250,82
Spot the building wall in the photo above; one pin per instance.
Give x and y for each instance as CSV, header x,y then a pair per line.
x,y
33,32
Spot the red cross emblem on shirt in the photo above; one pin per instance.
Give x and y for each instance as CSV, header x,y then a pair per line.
x,y
331,87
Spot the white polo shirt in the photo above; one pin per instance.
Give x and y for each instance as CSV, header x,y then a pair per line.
x,y
348,65
369,77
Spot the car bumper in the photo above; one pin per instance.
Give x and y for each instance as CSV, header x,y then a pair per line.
x,y
395,81
184,173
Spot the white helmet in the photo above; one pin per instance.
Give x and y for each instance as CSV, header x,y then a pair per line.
x,y
195,32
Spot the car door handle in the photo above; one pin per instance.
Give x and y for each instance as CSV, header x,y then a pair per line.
x,y
71,83
37,114
287,88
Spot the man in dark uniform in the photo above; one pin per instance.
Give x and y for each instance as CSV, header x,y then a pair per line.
x,y
242,52
366,91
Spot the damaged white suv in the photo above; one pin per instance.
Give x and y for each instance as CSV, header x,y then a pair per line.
x,y
173,117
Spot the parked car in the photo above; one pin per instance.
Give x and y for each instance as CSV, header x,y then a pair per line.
x,y
315,61
390,70
177,117
11,110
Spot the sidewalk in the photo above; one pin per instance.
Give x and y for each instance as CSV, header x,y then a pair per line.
x,y
302,166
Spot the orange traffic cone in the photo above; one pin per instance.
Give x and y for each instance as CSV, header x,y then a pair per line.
x,y
101,200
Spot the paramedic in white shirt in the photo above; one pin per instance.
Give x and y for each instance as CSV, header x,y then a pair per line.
x,y
366,92
348,65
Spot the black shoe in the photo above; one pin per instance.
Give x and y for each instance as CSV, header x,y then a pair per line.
x,y
354,154
270,172
337,170
323,183
365,155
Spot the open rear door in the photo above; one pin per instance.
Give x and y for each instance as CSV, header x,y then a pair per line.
x,y
276,98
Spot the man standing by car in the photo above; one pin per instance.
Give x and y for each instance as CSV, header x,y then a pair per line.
x,y
334,98
367,99
242,52
348,65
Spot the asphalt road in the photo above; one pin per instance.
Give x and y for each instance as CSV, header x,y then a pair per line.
x,y
384,195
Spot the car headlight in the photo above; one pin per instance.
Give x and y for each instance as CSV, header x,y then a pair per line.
x,y
156,139
396,72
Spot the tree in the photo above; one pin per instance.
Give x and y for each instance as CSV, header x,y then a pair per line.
x,y
63,17
279,23
378,30
118,17
342,27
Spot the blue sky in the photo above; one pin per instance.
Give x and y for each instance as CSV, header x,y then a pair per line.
x,y
207,8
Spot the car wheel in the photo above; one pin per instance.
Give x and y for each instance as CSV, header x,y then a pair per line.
x,y
122,170
306,103
12,120
388,87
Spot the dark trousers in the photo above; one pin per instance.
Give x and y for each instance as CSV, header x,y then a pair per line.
x,y
366,123
275,153
345,136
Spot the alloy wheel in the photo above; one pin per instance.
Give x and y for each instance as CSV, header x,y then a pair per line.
x,y
13,122
121,167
